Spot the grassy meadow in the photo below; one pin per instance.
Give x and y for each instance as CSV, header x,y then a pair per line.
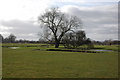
x,y
28,62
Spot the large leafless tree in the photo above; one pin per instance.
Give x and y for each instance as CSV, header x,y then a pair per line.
x,y
58,23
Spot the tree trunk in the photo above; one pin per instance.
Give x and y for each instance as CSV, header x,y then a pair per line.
x,y
57,44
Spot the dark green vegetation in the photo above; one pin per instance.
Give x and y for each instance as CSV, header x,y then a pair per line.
x,y
27,62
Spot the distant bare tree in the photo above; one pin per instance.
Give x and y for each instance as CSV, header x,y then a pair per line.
x,y
11,38
74,39
58,24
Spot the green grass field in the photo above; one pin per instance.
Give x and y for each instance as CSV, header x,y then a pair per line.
x,y
26,62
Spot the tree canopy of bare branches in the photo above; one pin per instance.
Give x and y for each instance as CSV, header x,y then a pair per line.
x,y
76,39
58,23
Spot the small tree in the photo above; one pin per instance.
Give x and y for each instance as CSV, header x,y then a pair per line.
x,y
76,39
58,24
11,38
89,43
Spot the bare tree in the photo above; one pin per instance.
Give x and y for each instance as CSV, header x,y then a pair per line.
x,y
11,38
58,23
76,39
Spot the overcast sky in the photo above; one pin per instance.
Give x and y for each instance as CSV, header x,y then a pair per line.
x,y
99,17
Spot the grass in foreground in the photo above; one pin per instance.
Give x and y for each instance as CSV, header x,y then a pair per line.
x,y
26,62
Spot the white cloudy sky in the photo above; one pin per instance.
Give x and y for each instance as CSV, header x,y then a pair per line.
x,y
100,17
